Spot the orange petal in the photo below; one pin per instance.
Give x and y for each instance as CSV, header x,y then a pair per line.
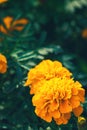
x,y
57,64
67,115
78,111
54,105
20,21
18,28
3,64
44,114
56,114
65,107
74,91
3,68
2,29
36,100
40,112
74,101
48,117
61,120
3,58
7,21
81,94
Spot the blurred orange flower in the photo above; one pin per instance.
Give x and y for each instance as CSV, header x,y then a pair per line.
x,y
56,94
2,1
3,64
84,33
11,24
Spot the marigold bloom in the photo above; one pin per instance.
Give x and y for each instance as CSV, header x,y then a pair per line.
x,y
57,98
12,24
46,70
3,64
56,94
2,1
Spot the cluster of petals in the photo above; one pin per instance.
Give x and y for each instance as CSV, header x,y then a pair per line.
x,y
12,25
56,94
45,70
3,64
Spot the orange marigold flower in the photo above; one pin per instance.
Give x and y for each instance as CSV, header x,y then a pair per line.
x,y
57,99
12,24
3,64
46,70
2,1
56,94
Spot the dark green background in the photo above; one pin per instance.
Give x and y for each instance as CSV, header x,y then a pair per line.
x,y
54,32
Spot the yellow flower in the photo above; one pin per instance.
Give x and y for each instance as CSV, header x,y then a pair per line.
x,y
2,1
56,94
57,98
46,70
12,24
3,64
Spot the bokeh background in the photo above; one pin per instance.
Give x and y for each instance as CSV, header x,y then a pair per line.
x,y
56,30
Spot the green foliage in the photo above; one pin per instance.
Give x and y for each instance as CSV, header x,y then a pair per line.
x,y
54,32
73,4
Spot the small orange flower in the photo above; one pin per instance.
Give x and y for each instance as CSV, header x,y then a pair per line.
x,y
56,94
3,64
12,25
84,33
2,1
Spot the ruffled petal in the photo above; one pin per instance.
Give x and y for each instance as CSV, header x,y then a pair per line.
x,y
78,111
65,106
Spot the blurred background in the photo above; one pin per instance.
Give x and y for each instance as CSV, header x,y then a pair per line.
x,y
30,31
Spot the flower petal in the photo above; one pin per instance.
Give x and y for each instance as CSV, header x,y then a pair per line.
x,y
65,106
56,114
74,101
78,111
81,94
